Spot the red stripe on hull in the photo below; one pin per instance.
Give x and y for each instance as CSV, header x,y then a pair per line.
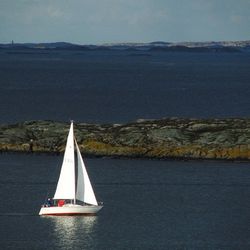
x,y
71,214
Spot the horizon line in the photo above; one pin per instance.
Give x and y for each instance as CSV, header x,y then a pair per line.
x,y
127,42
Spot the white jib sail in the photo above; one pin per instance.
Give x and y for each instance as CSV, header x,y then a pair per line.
x,y
66,184
84,190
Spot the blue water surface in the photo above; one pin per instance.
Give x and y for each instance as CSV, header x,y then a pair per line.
x,y
148,204
118,86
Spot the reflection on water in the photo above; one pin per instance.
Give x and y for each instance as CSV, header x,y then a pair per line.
x,y
74,231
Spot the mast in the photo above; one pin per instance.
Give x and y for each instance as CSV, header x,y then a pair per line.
x,y
74,162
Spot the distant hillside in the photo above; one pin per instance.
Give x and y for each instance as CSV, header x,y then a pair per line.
x,y
224,46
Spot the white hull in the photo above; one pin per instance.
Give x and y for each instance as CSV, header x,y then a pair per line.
x,y
70,209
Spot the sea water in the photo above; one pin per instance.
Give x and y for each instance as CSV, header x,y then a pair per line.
x,y
148,204
118,87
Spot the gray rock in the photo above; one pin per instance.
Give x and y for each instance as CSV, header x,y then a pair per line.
x,y
165,138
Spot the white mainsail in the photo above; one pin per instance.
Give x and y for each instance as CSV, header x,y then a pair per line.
x,y
66,184
84,190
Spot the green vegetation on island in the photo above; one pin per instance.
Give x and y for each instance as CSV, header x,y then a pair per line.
x,y
166,138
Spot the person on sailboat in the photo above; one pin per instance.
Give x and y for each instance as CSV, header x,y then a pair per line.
x,y
61,203
49,202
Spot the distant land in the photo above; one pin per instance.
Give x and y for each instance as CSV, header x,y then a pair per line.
x,y
168,138
223,46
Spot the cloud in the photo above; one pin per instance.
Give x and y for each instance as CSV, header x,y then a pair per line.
x,y
54,12
147,16
44,13
236,19
126,14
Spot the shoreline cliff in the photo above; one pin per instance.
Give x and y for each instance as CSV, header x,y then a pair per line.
x,y
168,138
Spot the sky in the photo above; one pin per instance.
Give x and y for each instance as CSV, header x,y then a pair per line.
x,y
112,21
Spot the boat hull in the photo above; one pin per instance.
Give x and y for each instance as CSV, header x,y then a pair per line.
x,y
70,210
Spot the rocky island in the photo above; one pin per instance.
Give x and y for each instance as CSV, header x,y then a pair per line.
x,y
173,138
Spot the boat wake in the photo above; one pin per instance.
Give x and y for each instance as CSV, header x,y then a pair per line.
x,y
17,214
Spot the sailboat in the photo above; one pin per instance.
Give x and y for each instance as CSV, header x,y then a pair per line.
x,y
74,193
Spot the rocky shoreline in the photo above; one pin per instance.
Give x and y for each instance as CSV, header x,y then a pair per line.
x,y
173,138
